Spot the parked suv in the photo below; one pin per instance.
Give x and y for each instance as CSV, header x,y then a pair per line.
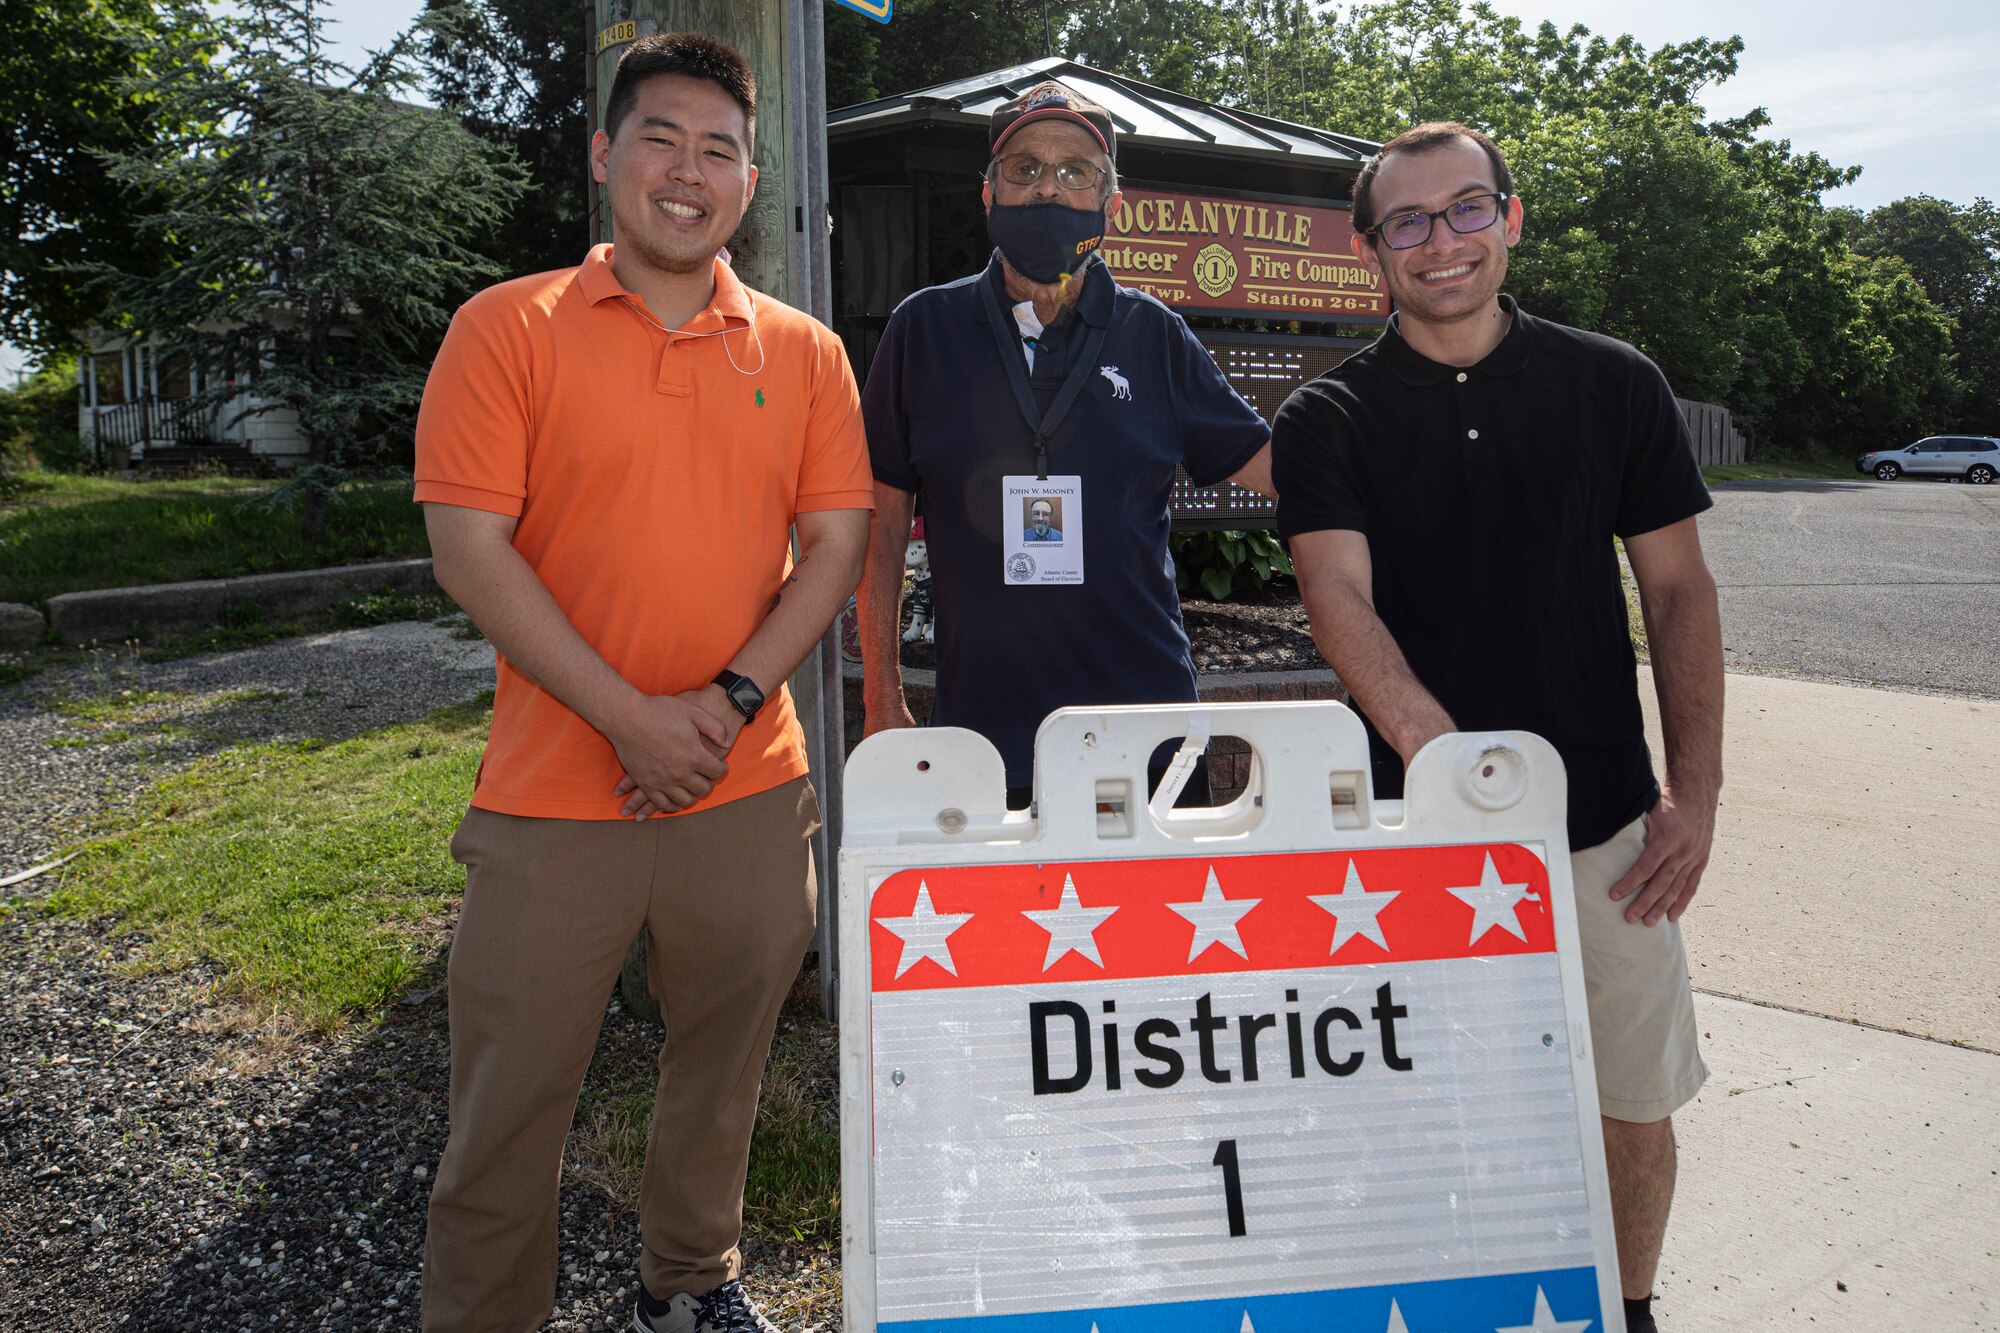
x,y
1974,457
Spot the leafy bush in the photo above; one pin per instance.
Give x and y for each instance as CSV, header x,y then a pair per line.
x,y
1223,564
38,423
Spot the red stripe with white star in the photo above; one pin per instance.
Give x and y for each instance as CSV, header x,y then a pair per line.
x,y
956,926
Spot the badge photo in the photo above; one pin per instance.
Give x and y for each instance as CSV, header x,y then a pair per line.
x,y
1041,519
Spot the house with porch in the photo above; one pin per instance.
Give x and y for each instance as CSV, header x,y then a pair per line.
x,y
139,405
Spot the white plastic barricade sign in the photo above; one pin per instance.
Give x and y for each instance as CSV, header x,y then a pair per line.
x,y
1304,1063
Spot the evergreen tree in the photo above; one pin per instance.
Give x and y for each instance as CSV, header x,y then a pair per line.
x,y
514,69
319,230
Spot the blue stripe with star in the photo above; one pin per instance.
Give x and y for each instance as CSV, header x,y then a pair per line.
x,y
1503,1302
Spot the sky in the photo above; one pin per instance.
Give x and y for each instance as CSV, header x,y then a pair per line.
x,y
1903,92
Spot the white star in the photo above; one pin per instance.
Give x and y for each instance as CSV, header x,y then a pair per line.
x,y
1545,1321
1492,903
924,933
1396,1324
1072,926
1354,911
1215,919
1248,1327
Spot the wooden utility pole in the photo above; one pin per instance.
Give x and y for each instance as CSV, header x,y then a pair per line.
x,y
783,248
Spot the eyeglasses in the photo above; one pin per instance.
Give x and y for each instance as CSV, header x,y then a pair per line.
x,y
1072,173
1406,231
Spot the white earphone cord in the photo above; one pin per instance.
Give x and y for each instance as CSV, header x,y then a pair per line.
x,y
723,334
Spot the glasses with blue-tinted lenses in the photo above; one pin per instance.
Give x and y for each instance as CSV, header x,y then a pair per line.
x,y
1407,231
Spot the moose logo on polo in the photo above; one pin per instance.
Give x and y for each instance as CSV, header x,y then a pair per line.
x,y
1097,1085
1120,386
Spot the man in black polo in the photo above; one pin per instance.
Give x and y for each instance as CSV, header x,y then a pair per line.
x,y
1451,495
1041,379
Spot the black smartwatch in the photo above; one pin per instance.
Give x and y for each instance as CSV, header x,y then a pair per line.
x,y
744,696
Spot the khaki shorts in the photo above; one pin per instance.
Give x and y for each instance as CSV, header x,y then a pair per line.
x,y
1635,978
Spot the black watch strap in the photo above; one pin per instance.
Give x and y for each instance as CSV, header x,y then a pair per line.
x,y
744,696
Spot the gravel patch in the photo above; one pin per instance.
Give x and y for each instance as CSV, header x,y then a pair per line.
x,y
161,1172
165,1167
132,722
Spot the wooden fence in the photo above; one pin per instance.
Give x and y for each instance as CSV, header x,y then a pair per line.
x,y
1716,439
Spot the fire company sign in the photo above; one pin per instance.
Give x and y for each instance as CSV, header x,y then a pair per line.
x,y
1241,257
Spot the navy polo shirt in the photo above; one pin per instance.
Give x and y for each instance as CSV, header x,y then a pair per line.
x,y
943,421
1489,496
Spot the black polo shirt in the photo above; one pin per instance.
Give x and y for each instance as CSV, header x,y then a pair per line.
x,y
1489,497
943,420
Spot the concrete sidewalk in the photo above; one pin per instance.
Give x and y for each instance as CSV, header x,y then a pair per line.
x,y
1834,1175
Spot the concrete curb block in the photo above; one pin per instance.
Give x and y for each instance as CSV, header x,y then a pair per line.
x,y
113,614
1231,687
21,627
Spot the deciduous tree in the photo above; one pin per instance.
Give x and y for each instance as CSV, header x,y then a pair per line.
x,y
1953,251
66,100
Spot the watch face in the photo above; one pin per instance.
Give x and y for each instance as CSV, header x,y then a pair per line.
x,y
745,695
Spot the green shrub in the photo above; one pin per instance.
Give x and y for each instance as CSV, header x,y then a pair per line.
x,y
85,532
38,421
1224,564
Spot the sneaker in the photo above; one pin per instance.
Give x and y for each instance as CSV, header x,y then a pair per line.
x,y
724,1310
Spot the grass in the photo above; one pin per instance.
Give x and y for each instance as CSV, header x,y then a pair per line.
x,y
1836,469
316,881
123,706
793,1190
66,533
112,716
313,877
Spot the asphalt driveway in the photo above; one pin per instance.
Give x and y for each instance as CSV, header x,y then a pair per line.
x,y
1860,582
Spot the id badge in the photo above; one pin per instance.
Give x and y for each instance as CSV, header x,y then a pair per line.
x,y
1041,519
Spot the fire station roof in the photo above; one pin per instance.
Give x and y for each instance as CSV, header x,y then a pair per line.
x,y
1145,115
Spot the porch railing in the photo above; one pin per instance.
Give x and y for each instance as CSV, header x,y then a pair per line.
x,y
149,420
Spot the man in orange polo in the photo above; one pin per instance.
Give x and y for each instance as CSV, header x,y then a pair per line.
x,y
645,766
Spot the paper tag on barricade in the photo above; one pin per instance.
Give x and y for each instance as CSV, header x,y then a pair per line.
x,y
1303,1061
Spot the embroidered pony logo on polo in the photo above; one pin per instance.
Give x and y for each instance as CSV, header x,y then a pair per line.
x,y
1120,386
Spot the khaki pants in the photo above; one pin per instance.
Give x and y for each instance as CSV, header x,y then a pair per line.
x,y
551,908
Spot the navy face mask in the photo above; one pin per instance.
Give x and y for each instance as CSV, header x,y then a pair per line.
x,y
1045,242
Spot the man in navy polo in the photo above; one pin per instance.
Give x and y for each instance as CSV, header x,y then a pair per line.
x,y
1042,378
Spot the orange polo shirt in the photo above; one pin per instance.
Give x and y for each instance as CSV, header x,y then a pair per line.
x,y
655,483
